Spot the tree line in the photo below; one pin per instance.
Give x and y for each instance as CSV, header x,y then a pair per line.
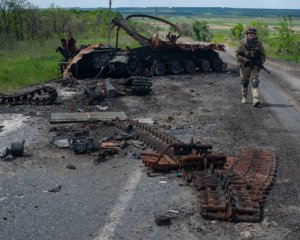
x,y
20,20
211,12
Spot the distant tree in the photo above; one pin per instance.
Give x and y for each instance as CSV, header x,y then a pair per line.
x,y
237,32
286,35
20,20
12,17
201,31
5,20
262,29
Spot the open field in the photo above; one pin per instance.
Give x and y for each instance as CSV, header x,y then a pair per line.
x,y
226,23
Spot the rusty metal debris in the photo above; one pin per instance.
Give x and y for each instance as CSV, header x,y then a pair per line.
x,y
42,95
231,188
154,57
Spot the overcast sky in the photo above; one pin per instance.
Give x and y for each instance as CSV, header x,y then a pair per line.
x,y
283,4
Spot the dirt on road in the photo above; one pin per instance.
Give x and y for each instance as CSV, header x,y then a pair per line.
x,y
116,199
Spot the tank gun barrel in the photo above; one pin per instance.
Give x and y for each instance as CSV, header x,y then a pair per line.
x,y
121,23
143,41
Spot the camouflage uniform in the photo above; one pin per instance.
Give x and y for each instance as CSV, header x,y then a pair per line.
x,y
249,71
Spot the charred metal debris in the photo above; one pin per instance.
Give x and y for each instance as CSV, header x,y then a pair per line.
x,y
41,95
111,88
155,57
232,188
16,150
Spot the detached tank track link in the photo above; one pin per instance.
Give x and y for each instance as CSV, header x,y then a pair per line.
x,y
43,95
153,137
231,188
134,85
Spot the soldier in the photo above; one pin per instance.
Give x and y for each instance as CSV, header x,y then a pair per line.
x,y
250,56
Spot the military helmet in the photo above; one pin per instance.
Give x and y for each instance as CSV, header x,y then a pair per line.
x,y
251,30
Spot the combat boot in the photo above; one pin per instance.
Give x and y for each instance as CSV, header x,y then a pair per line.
x,y
256,101
244,95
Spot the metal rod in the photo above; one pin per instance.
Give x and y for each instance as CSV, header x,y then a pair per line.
x,y
108,24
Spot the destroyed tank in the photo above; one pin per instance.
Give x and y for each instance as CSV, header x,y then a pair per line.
x,y
155,57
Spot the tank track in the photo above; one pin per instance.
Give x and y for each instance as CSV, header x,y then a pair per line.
x,y
231,188
135,85
236,193
43,95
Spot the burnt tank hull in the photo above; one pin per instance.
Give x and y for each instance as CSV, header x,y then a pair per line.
x,y
155,57
113,62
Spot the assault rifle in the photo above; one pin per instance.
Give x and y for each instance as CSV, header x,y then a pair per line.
x,y
259,65
256,62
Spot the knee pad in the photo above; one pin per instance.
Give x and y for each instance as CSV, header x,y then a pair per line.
x,y
255,83
245,83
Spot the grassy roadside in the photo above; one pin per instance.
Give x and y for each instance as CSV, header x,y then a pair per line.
x,y
28,63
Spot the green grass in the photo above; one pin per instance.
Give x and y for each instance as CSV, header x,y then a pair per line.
x,y
28,63
271,46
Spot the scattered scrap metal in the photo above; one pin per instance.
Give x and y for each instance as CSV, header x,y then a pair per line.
x,y
110,88
231,188
41,95
16,150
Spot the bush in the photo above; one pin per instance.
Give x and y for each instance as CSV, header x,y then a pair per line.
x,y
286,35
237,32
201,31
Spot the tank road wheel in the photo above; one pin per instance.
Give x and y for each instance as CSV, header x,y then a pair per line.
x,y
189,67
135,69
217,65
175,68
204,65
158,69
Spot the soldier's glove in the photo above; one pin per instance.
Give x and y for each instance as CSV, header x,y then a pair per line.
x,y
245,60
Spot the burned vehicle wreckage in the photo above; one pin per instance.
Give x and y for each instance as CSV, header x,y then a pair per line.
x,y
155,57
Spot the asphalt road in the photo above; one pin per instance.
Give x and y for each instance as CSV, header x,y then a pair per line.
x,y
116,199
